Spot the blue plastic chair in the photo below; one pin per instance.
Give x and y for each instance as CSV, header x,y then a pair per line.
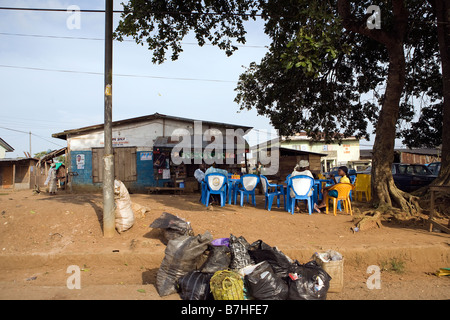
x,y
272,190
301,191
352,181
203,190
247,186
216,183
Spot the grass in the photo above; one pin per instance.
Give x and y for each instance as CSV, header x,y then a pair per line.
x,y
395,265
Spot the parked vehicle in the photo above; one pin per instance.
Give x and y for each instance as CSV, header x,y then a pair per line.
x,y
367,170
333,171
410,177
435,168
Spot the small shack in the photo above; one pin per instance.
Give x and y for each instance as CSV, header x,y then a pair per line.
x,y
142,151
417,156
19,173
289,158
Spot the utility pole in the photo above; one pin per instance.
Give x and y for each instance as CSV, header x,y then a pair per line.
x,y
108,159
30,145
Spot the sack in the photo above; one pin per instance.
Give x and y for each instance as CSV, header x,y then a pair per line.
x,y
172,226
308,282
260,251
219,258
181,256
333,263
195,286
227,285
239,254
124,213
263,284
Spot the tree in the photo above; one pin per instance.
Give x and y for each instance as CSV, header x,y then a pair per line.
x,y
323,58
442,11
326,97
432,129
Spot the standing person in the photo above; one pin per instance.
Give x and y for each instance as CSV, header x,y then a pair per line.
x,y
52,180
343,173
302,168
199,174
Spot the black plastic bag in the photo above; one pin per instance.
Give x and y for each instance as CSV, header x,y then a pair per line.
x,y
181,257
280,263
263,284
195,286
219,258
308,282
239,254
172,226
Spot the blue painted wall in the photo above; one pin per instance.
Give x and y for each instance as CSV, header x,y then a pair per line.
x,y
82,178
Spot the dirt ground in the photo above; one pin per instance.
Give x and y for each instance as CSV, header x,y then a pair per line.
x,y
42,235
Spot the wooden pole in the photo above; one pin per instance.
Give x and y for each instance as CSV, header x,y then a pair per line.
x,y
108,159
14,177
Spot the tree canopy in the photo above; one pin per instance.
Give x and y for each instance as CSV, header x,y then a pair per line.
x,y
327,72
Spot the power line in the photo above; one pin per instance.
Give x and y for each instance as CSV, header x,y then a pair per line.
x,y
57,10
150,12
35,135
101,39
116,74
56,144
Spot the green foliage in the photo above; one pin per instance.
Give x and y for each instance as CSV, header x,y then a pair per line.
x,y
318,76
394,265
163,24
39,155
329,82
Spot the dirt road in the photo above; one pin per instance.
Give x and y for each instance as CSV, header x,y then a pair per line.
x,y
42,235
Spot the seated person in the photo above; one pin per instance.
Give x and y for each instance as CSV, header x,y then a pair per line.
x,y
215,198
343,173
301,169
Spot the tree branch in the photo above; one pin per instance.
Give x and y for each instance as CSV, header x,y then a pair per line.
x,y
386,38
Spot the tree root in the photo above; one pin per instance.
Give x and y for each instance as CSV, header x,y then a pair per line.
x,y
367,220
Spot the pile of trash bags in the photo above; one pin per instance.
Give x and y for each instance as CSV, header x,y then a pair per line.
x,y
202,268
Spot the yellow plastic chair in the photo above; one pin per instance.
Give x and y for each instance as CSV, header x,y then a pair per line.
x,y
363,185
321,176
343,190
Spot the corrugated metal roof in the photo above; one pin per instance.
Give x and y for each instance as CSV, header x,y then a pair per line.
x,y
6,145
63,135
165,142
16,159
424,151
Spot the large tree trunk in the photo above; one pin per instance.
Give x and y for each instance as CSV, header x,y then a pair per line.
x,y
384,191
442,11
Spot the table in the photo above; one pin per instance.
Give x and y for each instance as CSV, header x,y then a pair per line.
x,y
232,185
158,189
430,219
318,188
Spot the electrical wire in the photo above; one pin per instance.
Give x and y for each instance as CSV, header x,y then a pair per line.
x,y
116,74
35,135
101,39
122,11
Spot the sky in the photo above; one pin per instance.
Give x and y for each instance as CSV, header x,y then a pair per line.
x,y
44,102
